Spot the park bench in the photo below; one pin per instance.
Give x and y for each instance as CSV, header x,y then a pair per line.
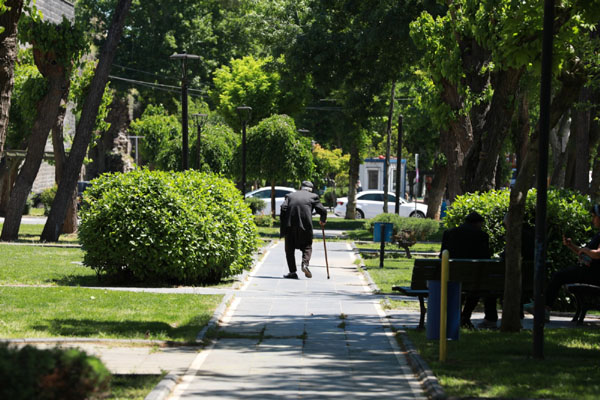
x,y
477,277
587,297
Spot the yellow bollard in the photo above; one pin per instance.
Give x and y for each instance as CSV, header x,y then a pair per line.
x,y
444,304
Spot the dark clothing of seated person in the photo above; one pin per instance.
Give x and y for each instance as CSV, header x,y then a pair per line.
x,y
587,269
470,241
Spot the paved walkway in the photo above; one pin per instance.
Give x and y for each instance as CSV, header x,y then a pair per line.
x,y
302,339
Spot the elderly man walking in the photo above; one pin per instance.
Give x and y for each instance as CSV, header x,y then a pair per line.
x,y
296,226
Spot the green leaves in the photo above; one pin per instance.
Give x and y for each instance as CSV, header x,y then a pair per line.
x,y
190,228
276,152
248,82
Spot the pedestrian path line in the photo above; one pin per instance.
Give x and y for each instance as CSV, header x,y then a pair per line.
x,y
192,371
401,356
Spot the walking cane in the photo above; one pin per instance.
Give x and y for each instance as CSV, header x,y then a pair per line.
x,y
325,247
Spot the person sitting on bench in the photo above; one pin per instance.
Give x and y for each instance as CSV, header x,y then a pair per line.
x,y
587,269
470,241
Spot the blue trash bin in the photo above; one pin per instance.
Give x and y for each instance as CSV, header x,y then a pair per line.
x,y
388,229
433,310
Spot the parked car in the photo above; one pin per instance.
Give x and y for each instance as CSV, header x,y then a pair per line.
x,y
369,203
264,193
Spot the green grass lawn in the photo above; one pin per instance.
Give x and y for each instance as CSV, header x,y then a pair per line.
x,y
132,387
78,312
419,246
395,271
37,265
32,232
500,365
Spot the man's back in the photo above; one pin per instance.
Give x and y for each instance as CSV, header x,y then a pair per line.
x,y
297,209
466,241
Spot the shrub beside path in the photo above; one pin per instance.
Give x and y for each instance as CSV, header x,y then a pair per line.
x,y
306,338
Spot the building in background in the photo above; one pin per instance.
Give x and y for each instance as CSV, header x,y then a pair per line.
x,y
370,174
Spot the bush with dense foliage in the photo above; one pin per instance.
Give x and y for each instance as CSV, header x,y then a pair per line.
x,y
417,228
265,221
568,214
53,374
173,227
47,197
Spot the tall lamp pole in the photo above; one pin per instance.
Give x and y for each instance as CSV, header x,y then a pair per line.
x,y
542,183
244,112
184,104
200,121
398,166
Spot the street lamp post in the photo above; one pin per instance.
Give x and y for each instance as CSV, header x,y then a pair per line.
x,y
200,121
184,104
244,112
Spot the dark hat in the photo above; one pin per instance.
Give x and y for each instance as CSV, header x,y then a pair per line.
x,y
474,217
307,184
596,210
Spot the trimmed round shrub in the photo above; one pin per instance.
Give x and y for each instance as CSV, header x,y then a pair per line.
x,y
53,374
172,227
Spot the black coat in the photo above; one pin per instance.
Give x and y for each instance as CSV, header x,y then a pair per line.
x,y
466,241
297,209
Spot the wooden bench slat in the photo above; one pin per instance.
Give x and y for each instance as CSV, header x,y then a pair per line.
x,y
477,276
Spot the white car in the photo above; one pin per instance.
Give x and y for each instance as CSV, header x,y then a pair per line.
x,y
264,193
369,204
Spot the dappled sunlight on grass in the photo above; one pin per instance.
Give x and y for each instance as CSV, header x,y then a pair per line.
x,y
495,364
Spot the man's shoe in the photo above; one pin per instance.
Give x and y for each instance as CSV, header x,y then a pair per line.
x,y
291,275
306,271
486,324
467,325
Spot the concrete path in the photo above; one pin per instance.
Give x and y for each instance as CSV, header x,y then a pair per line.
x,y
302,339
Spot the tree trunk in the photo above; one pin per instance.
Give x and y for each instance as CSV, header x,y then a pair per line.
x,y
9,168
83,133
353,178
456,141
273,211
480,175
438,188
8,55
60,159
595,136
559,137
511,310
47,111
582,142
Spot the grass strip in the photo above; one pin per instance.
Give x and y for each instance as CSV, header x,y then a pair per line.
x,y
38,265
31,233
27,312
395,271
421,246
132,387
500,365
